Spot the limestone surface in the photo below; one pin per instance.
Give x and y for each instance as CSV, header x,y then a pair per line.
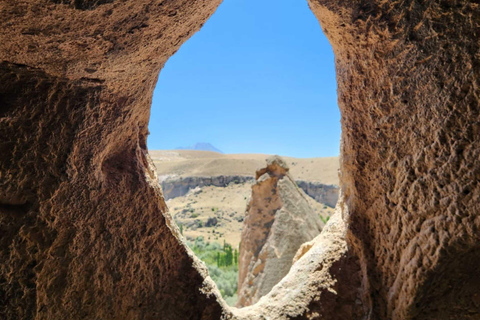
x,y
277,222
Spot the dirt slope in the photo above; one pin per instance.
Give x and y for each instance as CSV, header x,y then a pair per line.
x,y
205,163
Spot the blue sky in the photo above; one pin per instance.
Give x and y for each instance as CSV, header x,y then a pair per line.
x,y
259,77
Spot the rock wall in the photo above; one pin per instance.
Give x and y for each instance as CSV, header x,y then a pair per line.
x,y
408,82
277,222
177,187
84,234
323,193
85,231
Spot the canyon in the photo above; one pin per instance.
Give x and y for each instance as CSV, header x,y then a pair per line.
x,y
172,188
194,199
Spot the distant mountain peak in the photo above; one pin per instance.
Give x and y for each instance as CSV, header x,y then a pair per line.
x,y
201,146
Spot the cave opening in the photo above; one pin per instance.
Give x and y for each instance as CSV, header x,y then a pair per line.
x,y
247,86
85,229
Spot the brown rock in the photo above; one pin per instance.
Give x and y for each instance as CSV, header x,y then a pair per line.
x,y
323,284
85,233
277,222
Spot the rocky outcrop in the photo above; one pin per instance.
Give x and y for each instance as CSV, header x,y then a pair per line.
x,y
84,230
85,233
178,187
311,289
323,193
277,222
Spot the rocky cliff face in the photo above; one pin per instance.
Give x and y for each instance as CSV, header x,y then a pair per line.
x,y
323,193
177,187
84,232
277,222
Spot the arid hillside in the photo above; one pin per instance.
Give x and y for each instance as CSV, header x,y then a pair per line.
x,y
217,212
183,163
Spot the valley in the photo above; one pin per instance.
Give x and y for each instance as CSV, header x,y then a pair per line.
x,y
213,207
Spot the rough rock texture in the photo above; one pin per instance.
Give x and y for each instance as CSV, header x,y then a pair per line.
x,y
84,232
177,187
322,284
277,222
409,88
323,193
84,228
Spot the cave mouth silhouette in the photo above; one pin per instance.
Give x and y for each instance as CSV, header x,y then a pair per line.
x,y
85,229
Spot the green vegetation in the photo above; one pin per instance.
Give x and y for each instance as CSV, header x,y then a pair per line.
x,y
324,219
222,263
228,257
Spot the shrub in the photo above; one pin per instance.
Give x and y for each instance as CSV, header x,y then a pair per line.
x,y
222,263
324,220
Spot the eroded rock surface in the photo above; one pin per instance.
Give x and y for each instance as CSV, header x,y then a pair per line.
x,y
177,187
85,233
277,222
409,88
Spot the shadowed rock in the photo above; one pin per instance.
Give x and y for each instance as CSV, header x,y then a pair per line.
x,y
85,232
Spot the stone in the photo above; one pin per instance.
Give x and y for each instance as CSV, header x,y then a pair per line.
x,y
211,222
173,187
85,232
278,221
84,229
